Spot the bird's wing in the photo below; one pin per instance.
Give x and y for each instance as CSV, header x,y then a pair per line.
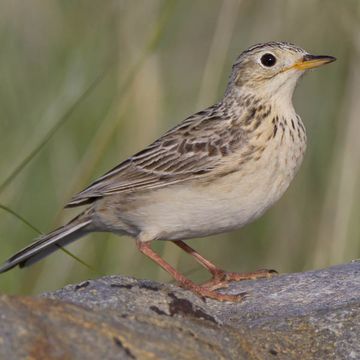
x,y
192,149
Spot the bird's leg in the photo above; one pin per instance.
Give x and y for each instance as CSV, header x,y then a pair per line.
x,y
221,278
207,264
199,290
217,274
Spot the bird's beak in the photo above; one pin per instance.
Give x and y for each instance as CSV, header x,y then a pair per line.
x,y
312,61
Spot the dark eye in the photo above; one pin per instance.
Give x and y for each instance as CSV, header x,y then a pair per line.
x,y
268,60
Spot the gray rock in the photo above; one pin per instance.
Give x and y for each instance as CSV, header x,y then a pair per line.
x,y
311,315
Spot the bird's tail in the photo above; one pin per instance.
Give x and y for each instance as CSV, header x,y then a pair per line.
x,y
48,243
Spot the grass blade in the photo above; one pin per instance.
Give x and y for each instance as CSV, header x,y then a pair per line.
x,y
52,131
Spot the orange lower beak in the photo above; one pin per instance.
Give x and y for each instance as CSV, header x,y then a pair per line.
x,y
312,61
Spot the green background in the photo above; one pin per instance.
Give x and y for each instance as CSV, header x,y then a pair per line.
x,y
158,62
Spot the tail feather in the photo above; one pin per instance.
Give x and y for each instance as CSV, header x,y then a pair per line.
x,y
46,245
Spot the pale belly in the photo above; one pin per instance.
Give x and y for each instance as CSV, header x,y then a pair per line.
x,y
199,209
204,210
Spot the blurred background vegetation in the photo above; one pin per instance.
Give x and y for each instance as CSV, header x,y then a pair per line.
x,y
85,84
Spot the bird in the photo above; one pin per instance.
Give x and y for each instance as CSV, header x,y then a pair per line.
x,y
216,171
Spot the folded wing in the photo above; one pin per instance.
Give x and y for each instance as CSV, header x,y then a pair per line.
x,y
192,149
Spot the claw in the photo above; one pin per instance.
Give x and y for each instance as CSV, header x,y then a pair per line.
x,y
207,293
258,274
222,279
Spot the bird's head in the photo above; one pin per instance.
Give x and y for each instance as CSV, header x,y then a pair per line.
x,y
272,69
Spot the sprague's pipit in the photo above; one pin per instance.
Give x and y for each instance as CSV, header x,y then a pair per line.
x,y
216,171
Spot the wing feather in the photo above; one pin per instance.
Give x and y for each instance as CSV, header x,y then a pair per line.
x,y
192,149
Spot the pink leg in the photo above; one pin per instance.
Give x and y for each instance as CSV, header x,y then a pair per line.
x,y
200,259
221,278
145,248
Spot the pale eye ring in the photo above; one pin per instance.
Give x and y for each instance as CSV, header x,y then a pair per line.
x,y
268,60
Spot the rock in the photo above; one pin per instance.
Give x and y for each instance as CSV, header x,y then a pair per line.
x,y
311,315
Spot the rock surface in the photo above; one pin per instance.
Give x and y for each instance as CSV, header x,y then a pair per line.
x,y
311,315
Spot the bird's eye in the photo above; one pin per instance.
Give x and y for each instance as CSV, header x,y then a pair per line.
x,y
268,60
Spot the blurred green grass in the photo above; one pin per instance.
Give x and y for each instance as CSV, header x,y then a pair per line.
x,y
164,60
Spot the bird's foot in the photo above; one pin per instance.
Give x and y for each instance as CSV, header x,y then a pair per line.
x,y
221,278
206,292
